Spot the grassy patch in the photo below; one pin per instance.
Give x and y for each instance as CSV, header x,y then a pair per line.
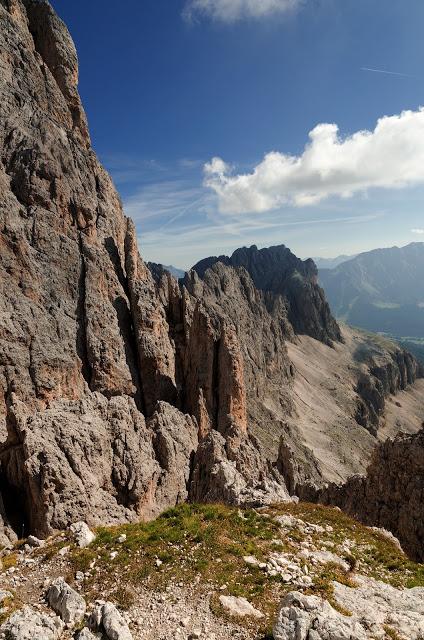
x,y
372,554
392,633
202,546
11,560
9,606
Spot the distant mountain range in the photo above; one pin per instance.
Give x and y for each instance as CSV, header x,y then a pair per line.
x,y
381,291
177,273
331,263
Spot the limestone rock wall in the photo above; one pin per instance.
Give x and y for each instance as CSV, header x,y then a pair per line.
x,y
391,495
279,271
122,391
98,364
382,379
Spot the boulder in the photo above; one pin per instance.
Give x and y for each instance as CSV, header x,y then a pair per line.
x,y
82,534
379,604
28,624
239,607
311,618
66,602
114,624
107,618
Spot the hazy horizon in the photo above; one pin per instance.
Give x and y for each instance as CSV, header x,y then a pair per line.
x,y
303,257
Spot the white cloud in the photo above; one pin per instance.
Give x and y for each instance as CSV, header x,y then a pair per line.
x,y
232,10
418,231
390,157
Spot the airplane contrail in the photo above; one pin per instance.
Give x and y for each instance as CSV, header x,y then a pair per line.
x,y
390,73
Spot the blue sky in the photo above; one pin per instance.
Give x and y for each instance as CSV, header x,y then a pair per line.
x,y
169,85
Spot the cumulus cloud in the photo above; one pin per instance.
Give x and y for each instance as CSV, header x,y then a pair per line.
x,y
418,231
232,10
390,157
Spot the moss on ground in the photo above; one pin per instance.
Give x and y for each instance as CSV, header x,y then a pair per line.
x,y
373,554
8,606
202,546
10,560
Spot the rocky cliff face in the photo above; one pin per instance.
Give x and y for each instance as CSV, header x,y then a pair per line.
x,y
391,495
384,377
122,391
85,353
92,376
279,271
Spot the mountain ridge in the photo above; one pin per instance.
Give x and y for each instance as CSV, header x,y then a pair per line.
x,y
278,270
123,391
331,263
380,290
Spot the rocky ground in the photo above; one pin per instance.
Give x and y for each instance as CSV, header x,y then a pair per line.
x,y
293,571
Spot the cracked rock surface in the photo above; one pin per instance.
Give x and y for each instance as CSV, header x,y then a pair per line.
x,y
124,392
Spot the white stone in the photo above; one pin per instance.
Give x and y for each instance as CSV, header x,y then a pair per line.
x,y
381,604
28,624
66,602
326,557
114,624
85,634
389,535
287,521
311,618
35,542
251,560
239,607
63,551
82,534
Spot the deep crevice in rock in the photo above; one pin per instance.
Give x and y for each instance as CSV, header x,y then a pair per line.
x,y
81,342
15,506
215,382
126,329
115,259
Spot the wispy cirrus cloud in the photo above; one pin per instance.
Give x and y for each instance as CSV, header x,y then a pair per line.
x,y
178,220
233,10
190,240
389,157
386,72
419,232
162,203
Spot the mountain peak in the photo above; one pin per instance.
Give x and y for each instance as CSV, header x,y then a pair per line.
x,y
277,270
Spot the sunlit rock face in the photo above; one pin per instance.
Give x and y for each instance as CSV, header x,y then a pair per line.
x,y
123,391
